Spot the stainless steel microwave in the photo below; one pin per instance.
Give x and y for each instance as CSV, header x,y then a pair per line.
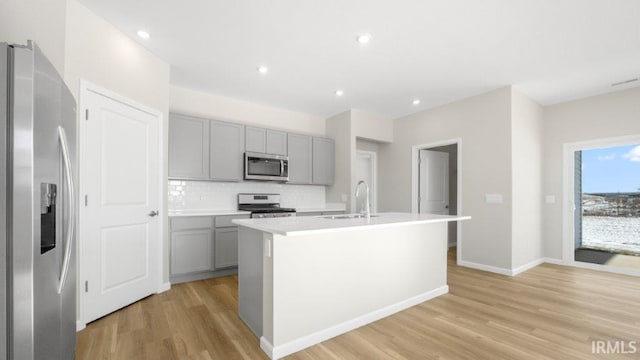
x,y
259,166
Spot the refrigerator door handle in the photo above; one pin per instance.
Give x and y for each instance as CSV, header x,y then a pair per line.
x,y
62,136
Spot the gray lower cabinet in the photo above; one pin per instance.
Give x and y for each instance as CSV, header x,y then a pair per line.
x,y
203,247
191,251
226,241
314,213
226,151
191,245
327,213
226,249
300,148
323,161
188,147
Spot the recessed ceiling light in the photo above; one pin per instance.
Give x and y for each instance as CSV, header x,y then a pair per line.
x,y
363,38
143,34
339,92
416,102
263,69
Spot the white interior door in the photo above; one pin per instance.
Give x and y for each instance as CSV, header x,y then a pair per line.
x,y
366,170
121,181
434,182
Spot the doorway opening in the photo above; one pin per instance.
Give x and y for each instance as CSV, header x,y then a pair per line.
x,y
436,185
367,170
607,206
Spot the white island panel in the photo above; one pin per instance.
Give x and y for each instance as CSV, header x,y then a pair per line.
x,y
319,286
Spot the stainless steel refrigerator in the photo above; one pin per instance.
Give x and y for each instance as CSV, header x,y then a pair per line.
x,y
37,208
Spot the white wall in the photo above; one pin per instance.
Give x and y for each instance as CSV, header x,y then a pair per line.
x,y
98,52
526,162
338,127
371,126
603,116
195,103
40,20
483,123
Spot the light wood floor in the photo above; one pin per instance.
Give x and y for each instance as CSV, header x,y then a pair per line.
x,y
549,312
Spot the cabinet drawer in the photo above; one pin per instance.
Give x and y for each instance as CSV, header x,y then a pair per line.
x,y
314,213
225,220
191,223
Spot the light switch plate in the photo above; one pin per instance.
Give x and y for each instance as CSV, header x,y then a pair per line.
x,y
345,198
550,199
493,198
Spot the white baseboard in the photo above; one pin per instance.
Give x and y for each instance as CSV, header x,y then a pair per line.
x,y
80,325
525,267
277,352
554,261
164,287
483,267
510,272
266,347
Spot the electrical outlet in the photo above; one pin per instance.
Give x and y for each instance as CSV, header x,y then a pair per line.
x,y
345,197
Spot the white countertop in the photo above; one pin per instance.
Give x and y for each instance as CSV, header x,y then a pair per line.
x,y
206,212
291,226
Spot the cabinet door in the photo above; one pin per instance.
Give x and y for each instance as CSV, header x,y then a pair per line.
x,y
226,151
276,142
300,150
255,139
226,251
191,251
323,161
188,147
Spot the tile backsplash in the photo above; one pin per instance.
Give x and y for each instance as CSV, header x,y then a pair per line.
x,y
193,195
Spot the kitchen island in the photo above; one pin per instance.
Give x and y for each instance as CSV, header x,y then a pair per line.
x,y
303,280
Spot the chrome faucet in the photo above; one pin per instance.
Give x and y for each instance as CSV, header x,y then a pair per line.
x,y
366,208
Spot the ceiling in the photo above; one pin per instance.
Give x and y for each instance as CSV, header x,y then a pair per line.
x,y
437,51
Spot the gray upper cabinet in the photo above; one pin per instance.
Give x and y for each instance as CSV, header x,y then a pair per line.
x,y
226,151
255,139
276,142
267,141
188,147
300,159
323,161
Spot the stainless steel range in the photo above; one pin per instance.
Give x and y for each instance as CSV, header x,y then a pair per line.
x,y
263,206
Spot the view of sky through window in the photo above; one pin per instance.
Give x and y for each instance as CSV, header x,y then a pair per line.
x,y
612,169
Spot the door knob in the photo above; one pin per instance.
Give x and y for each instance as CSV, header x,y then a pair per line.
x,y
154,213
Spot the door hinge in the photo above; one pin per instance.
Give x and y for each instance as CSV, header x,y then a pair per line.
x,y
86,114
86,200
86,286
